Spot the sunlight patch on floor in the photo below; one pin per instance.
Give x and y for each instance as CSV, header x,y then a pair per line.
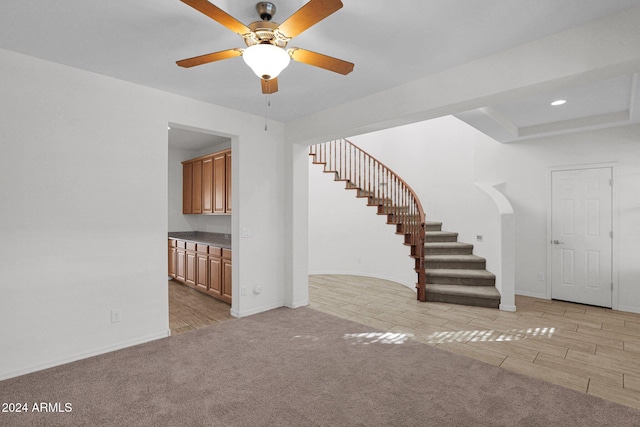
x,y
489,335
378,338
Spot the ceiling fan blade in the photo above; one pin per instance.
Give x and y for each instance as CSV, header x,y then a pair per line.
x,y
323,61
219,15
309,14
209,57
269,86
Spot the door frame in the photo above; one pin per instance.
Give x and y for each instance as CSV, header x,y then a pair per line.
x,y
614,224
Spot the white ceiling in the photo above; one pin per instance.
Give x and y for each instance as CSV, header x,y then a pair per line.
x,y
391,43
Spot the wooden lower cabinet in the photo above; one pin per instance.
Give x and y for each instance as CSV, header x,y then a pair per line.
x,y
205,268
180,263
226,275
202,276
215,273
190,265
172,258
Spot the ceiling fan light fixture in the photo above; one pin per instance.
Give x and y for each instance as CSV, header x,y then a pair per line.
x,y
266,60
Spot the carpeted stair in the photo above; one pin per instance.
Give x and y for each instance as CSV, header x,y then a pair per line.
x,y
454,274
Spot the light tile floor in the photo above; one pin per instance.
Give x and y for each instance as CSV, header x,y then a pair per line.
x,y
590,349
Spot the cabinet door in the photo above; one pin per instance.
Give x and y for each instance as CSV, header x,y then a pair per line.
x,y
219,183
187,184
180,264
190,268
226,280
196,189
228,181
215,277
202,276
172,262
207,185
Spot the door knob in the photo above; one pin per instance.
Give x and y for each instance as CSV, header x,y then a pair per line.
x,y
557,242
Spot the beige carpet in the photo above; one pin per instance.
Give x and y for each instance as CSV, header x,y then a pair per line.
x,y
297,368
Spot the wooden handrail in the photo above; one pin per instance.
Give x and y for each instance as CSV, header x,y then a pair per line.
x,y
383,188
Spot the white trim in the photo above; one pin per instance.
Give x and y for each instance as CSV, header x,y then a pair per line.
x,y
254,310
531,295
84,355
298,304
629,309
614,224
511,308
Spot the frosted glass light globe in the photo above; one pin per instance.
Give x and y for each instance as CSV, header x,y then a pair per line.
x,y
266,60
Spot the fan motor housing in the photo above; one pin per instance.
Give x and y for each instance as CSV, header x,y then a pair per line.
x,y
266,10
264,32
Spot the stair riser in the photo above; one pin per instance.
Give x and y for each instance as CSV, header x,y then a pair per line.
x,y
441,238
433,227
471,281
448,251
460,265
458,299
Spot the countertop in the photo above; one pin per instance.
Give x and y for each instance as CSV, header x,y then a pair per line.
x,y
214,239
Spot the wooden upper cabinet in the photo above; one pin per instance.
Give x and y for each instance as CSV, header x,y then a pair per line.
x,y
219,183
228,180
206,184
187,185
196,189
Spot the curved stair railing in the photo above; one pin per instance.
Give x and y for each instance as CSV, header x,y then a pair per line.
x,y
382,188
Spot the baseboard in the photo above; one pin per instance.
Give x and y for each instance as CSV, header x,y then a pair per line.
x,y
84,355
253,311
511,308
628,309
298,304
531,294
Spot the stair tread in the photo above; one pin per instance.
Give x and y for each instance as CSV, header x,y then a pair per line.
x,y
441,245
432,223
454,257
441,233
452,272
470,290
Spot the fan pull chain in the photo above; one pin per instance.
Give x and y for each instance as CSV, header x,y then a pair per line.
x,y
268,104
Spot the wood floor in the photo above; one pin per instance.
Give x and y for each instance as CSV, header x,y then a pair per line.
x,y
190,309
590,349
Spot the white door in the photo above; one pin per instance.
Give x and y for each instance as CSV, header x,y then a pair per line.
x,y
581,236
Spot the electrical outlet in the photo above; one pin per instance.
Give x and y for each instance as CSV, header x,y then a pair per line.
x,y
541,277
116,316
245,233
243,291
479,238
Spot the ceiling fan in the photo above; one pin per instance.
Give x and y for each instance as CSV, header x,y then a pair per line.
x,y
266,40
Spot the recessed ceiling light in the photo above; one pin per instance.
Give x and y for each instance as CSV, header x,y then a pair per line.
x,y
558,102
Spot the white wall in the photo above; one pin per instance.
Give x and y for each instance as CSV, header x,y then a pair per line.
x,y
347,237
83,210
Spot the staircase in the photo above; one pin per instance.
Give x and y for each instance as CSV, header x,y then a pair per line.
x,y
453,274
447,270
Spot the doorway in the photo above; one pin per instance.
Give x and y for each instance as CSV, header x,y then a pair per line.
x,y
581,235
